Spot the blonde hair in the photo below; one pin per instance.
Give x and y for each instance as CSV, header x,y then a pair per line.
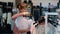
x,y
22,5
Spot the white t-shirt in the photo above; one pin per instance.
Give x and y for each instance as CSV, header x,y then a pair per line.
x,y
23,23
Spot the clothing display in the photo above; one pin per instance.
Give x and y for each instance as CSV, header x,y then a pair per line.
x,y
0,12
12,24
9,18
4,15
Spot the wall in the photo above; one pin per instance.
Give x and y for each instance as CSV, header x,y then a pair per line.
x,y
45,2
37,2
7,0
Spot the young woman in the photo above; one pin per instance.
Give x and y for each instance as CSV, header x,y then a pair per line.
x,y
22,23
40,28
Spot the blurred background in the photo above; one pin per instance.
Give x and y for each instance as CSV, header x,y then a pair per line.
x,y
35,7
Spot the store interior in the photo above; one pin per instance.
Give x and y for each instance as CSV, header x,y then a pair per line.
x,y
37,8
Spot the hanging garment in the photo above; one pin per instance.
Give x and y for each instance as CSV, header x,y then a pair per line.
x,y
9,18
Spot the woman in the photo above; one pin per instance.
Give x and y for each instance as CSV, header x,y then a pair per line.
x,y
40,28
23,25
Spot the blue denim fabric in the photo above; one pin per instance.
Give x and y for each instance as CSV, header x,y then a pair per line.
x,y
12,24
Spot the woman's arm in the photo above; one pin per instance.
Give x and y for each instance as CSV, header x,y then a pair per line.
x,y
16,15
15,30
32,29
